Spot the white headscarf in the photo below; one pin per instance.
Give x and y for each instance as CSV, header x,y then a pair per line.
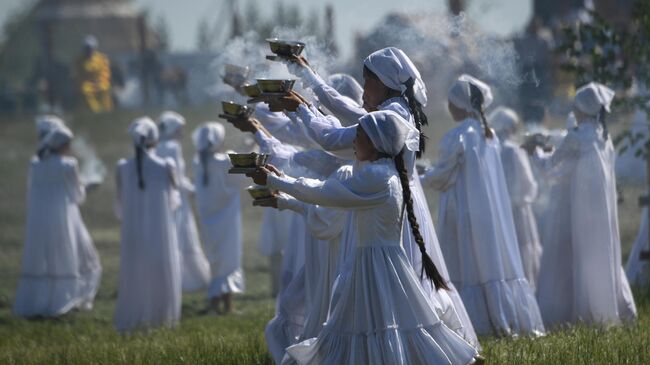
x,y
592,97
91,42
47,122
394,68
54,139
389,132
143,132
170,122
209,136
503,120
347,86
460,96
571,121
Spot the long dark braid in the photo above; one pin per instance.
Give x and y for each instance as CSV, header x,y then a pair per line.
x,y
477,99
139,151
428,266
418,114
203,157
601,119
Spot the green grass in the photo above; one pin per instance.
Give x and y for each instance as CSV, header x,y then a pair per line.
x,y
89,338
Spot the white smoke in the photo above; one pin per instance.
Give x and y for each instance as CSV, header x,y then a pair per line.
x,y
91,169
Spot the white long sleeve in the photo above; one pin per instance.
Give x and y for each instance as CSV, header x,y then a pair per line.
x,y
442,175
327,131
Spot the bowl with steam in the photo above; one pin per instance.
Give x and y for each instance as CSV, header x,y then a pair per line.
x,y
259,192
235,75
230,108
252,90
275,86
248,160
285,48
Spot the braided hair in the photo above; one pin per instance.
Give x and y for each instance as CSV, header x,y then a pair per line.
x,y
601,118
477,99
139,152
415,106
203,157
428,267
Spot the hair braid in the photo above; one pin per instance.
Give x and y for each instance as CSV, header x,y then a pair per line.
x,y
139,151
203,156
601,119
418,114
428,266
477,99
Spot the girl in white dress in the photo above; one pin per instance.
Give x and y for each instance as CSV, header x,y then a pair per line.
x,y
475,221
149,285
195,269
381,314
219,206
522,188
637,268
581,278
391,82
60,268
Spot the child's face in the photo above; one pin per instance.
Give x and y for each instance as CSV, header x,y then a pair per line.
x,y
374,92
457,113
364,150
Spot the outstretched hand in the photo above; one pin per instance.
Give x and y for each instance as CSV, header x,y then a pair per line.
x,y
246,124
260,176
271,202
292,101
300,60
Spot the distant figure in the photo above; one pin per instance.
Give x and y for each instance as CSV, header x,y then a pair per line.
x,y
149,286
195,269
93,72
60,267
218,201
638,263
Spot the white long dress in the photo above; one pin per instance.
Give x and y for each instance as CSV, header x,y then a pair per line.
x,y
60,267
195,269
328,132
149,285
382,315
523,191
478,234
581,278
637,268
219,207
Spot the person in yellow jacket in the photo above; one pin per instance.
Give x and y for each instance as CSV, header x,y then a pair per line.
x,y
94,77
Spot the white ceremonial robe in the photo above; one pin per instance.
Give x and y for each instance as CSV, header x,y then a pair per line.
x,y
478,236
382,315
195,269
149,285
581,277
638,263
219,208
523,191
60,267
328,133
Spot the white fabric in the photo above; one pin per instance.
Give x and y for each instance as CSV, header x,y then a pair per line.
x,y
209,136
143,132
347,86
389,132
592,97
328,133
169,123
581,277
219,209
394,68
523,192
638,270
460,95
47,122
195,269
60,267
381,314
478,236
503,120
55,138
149,285
91,41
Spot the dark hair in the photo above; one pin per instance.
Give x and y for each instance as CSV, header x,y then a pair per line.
x,y
601,118
477,99
203,157
139,151
419,117
428,266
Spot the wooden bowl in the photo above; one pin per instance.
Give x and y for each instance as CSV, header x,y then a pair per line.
x,y
275,85
285,48
259,192
248,159
234,109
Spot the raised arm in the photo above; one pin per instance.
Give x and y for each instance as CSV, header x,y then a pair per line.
x,y
327,131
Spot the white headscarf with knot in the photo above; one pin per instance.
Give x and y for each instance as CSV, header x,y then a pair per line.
x,y
346,85
47,122
592,97
503,120
209,136
460,95
389,132
143,132
169,123
54,139
394,68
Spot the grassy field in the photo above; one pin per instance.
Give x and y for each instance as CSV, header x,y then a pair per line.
x,y
89,338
